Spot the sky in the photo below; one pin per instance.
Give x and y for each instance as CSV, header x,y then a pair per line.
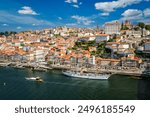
x,y
20,15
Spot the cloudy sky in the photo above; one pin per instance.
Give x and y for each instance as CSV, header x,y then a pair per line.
x,y
18,15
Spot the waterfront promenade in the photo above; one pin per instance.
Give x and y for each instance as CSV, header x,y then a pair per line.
x,y
118,70
99,69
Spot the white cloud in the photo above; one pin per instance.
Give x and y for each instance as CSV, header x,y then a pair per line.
x,y
76,6
80,3
6,17
132,12
19,27
35,24
74,3
147,12
71,1
60,18
82,20
27,10
136,15
104,14
5,25
112,6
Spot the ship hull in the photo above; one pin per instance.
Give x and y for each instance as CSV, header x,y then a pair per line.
x,y
87,75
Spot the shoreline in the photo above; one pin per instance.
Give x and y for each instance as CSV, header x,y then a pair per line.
x,y
136,72
18,65
44,68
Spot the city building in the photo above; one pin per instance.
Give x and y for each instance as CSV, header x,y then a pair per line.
x,y
39,55
102,37
147,46
128,24
113,28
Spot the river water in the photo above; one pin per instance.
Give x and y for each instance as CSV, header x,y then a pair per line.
x,y
14,86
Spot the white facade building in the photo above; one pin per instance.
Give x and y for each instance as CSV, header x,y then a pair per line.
x,y
102,37
147,46
112,28
39,55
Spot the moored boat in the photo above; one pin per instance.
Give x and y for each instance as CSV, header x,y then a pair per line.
x,y
86,75
39,69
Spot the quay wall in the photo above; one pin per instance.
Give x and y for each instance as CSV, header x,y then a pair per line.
x,y
133,72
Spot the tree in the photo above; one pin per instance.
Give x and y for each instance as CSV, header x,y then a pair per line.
x,y
136,28
141,25
93,53
1,33
125,28
22,44
122,26
101,50
147,27
50,62
111,40
6,33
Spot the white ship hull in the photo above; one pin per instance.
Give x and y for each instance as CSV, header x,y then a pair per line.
x,y
86,75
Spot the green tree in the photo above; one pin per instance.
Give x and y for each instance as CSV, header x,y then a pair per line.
x,y
125,28
93,53
136,28
22,44
1,33
141,25
101,49
122,26
147,27
50,62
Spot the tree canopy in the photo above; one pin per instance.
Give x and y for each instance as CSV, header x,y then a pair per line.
x,y
147,27
141,25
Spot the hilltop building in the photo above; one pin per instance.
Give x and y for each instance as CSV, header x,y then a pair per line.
x,y
113,28
128,24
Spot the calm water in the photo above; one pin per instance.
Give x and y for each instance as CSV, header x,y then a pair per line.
x,y
57,86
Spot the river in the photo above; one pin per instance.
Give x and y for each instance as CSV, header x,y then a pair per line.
x,y
14,86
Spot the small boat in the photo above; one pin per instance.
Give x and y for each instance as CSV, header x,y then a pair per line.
x,y
38,79
19,67
39,69
86,75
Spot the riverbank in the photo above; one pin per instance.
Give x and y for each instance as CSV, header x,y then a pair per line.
x,y
129,72
32,66
41,67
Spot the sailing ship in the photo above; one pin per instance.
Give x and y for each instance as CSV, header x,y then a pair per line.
x,y
94,76
81,74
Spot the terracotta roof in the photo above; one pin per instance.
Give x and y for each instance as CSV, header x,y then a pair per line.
x,y
147,42
103,59
109,43
102,35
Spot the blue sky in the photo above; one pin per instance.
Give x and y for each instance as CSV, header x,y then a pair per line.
x,y
18,15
